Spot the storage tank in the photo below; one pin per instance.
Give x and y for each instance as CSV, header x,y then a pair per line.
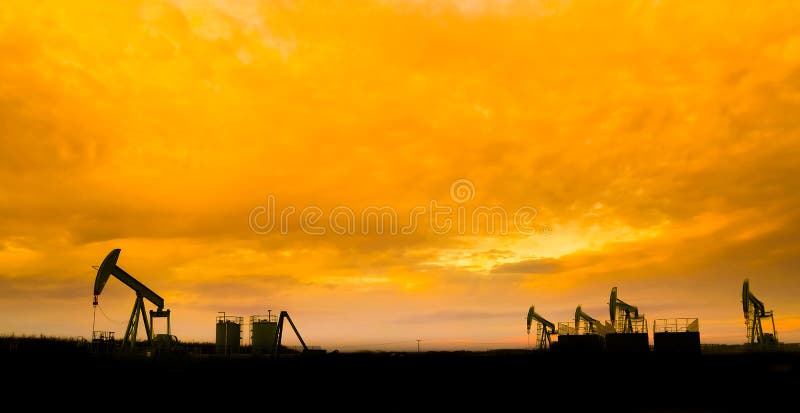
x,y
263,330
229,334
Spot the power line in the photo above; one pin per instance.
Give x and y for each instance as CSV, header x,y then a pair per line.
x,y
106,315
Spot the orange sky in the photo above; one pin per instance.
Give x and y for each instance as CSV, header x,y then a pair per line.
x,y
658,141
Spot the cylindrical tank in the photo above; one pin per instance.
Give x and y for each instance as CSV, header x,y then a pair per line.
x,y
263,336
229,336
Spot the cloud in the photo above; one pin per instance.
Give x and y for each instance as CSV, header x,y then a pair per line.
x,y
457,316
535,266
31,289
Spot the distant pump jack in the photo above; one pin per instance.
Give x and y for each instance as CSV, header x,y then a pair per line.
x,y
754,312
593,326
543,331
625,318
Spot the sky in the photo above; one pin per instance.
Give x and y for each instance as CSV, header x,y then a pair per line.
x,y
242,154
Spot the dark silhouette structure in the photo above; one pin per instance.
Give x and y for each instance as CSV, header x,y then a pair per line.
x,y
279,337
544,329
629,327
676,335
754,312
108,268
587,334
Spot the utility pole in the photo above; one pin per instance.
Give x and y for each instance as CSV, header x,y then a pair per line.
x,y
418,345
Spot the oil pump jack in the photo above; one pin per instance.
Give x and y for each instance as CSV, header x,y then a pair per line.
x,y
593,326
627,331
754,312
108,268
625,318
544,329
586,334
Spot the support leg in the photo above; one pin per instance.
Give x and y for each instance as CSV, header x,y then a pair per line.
x,y
147,328
297,333
132,321
278,338
773,329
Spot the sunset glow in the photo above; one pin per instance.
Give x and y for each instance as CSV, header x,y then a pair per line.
x,y
657,142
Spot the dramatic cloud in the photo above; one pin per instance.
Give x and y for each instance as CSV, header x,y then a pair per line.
x,y
536,266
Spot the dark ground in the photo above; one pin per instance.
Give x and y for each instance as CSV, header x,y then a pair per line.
x,y
66,376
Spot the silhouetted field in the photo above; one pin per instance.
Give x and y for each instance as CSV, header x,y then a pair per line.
x,y
448,381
